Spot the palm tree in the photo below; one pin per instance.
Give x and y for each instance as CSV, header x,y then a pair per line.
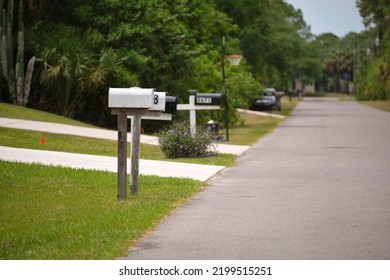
x,y
339,62
71,72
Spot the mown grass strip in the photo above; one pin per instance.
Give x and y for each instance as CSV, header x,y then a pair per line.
x,y
23,113
17,138
61,213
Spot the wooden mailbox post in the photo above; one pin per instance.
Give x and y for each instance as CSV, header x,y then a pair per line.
x,y
134,102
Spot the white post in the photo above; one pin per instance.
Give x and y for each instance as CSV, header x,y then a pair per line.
x,y
192,114
192,107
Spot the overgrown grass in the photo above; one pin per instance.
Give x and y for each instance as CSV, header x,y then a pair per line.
x,y
61,213
17,138
23,113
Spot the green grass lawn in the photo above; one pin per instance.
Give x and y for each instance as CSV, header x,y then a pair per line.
x,y
62,213
23,113
254,128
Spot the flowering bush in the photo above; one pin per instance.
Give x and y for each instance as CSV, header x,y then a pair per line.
x,y
177,141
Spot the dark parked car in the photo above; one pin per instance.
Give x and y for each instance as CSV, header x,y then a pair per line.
x,y
269,100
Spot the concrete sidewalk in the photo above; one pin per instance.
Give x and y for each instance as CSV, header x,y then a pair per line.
x,y
147,167
98,133
263,114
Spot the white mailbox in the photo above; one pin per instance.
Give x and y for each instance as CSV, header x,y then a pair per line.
x,y
159,101
133,97
164,103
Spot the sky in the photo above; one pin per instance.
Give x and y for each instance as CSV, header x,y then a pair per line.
x,y
336,16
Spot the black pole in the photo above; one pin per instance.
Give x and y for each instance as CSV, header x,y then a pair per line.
x,y
224,89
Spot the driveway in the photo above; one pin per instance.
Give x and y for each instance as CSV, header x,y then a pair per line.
x,y
318,187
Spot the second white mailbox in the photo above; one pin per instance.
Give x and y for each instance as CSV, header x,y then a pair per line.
x,y
133,97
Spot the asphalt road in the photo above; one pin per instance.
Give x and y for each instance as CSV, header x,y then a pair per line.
x,y
318,187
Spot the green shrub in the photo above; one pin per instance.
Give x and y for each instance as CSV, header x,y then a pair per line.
x,y
373,83
177,141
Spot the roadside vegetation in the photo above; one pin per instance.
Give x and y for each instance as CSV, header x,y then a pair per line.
x,y
23,113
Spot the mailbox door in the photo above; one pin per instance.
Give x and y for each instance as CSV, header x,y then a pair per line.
x,y
170,104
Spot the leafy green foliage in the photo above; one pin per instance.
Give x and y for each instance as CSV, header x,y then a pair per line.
x,y
375,12
178,141
273,36
374,83
374,71
71,71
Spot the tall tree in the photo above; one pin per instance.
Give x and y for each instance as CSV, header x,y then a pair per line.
x,y
375,12
159,39
272,37
373,80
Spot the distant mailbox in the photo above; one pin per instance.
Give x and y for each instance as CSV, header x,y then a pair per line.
x,y
133,97
211,99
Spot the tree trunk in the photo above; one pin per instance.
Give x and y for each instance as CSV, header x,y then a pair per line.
x,y
27,81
